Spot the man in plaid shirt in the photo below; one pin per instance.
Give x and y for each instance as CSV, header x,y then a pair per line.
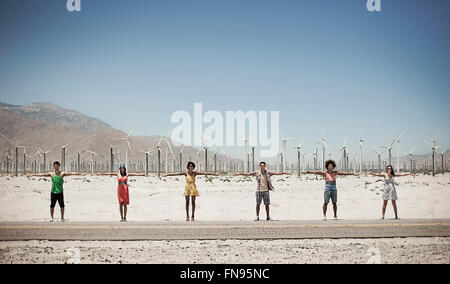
x,y
263,177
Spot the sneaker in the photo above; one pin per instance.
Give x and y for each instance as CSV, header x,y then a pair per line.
x,y
257,218
324,218
51,220
63,220
335,218
268,218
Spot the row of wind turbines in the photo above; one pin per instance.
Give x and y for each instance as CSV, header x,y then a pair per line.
x,y
346,154
248,161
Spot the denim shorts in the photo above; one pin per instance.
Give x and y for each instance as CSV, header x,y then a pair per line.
x,y
330,193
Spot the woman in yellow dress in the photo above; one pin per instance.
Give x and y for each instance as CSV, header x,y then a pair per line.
x,y
190,190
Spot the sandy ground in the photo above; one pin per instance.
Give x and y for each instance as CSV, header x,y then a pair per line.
x,y
398,250
93,198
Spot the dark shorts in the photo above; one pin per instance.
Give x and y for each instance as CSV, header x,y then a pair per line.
x,y
262,195
56,197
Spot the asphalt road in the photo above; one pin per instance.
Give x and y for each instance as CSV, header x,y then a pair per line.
x,y
249,230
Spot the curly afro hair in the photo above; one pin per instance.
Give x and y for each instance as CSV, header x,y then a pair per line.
x,y
189,164
330,162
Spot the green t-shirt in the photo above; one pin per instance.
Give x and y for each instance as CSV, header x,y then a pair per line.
x,y
57,184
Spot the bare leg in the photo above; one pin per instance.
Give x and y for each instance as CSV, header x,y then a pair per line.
x,y
324,208
125,207
383,209
394,204
52,210
267,211
62,214
335,209
193,208
257,210
121,211
187,208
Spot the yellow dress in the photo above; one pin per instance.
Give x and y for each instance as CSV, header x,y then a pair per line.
x,y
190,189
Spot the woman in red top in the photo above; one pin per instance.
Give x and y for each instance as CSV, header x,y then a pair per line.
x,y
122,189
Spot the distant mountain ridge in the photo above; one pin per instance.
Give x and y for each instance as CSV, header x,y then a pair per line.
x,y
48,127
53,114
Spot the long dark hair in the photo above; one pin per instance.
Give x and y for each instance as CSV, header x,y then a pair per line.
x,y
392,170
124,171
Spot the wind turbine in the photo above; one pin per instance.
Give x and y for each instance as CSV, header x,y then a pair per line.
x,y
315,155
44,153
442,161
360,141
147,153
284,140
398,139
111,155
299,154
181,158
344,155
165,139
411,160
324,144
37,164
389,148
379,159
17,158
127,146
354,161
93,159
246,140
432,143
205,147
63,156
225,161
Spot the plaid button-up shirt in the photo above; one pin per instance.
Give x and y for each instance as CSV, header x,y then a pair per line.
x,y
258,176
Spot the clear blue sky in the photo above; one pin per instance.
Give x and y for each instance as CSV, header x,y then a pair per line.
x,y
324,64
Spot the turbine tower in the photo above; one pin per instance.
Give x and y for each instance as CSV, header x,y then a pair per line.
x,y
360,141
432,143
284,152
397,140
299,154
379,159
324,144
93,159
127,146
411,160
389,148
344,155
63,157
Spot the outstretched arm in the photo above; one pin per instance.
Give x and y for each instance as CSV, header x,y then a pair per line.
x,y
316,173
403,175
281,173
346,174
135,175
206,174
40,175
244,174
378,175
73,174
174,174
106,174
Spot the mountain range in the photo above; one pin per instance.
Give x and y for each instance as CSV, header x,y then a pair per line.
x,y
46,127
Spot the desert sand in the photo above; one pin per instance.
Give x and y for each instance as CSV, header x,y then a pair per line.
x,y
94,198
398,250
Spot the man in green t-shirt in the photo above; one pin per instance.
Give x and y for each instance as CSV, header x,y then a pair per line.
x,y
57,188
